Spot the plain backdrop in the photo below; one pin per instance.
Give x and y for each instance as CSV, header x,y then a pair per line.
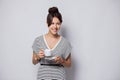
x,y
91,26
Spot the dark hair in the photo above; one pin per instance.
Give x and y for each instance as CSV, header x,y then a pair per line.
x,y
53,12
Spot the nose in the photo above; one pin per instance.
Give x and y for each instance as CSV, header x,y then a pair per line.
x,y
55,25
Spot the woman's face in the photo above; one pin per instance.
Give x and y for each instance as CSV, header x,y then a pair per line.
x,y
55,26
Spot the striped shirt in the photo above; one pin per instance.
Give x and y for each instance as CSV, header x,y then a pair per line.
x,y
62,49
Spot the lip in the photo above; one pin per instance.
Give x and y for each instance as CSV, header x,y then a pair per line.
x,y
55,30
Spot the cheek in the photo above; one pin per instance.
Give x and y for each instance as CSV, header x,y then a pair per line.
x,y
58,27
50,27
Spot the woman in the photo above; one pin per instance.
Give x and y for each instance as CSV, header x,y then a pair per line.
x,y
52,66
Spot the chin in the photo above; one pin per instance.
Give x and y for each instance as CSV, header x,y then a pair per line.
x,y
54,33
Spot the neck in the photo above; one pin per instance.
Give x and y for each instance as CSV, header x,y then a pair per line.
x,y
52,36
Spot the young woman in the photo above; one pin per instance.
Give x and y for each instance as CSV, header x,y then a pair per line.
x,y
59,49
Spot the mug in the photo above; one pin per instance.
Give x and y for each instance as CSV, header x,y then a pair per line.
x,y
47,52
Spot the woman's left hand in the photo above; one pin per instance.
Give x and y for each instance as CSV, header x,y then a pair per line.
x,y
59,60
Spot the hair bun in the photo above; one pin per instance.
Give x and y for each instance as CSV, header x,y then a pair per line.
x,y
53,10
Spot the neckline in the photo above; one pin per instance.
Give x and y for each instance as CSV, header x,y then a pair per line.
x,y
54,45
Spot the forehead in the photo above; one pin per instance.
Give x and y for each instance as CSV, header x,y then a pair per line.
x,y
56,20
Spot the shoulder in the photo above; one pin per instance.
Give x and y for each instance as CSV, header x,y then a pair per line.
x,y
65,41
66,45
38,38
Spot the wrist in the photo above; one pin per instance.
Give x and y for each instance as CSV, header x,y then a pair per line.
x,y
62,61
38,59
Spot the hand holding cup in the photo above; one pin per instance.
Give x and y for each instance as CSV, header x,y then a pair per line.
x,y
47,52
41,53
58,59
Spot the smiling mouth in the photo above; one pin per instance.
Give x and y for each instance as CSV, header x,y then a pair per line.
x,y
55,30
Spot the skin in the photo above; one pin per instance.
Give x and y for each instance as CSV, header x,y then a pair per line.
x,y
52,37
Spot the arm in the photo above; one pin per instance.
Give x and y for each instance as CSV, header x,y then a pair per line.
x,y
64,62
67,62
35,58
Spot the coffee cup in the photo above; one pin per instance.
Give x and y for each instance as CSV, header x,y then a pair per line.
x,y
47,52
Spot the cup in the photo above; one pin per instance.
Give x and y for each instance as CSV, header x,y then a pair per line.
x,y
47,52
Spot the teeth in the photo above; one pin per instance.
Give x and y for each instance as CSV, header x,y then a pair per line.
x,y
54,30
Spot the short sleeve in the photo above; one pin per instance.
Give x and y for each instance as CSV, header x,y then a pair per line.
x,y
68,49
35,45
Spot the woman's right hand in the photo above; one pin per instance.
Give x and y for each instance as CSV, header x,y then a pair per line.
x,y
41,54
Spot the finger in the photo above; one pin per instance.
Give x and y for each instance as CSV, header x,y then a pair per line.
x,y
42,50
41,55
57,57
57,61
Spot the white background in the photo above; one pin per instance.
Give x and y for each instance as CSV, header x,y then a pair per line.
x,y
92,27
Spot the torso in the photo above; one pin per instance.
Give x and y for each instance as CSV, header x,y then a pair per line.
x,y
60,48
52,41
